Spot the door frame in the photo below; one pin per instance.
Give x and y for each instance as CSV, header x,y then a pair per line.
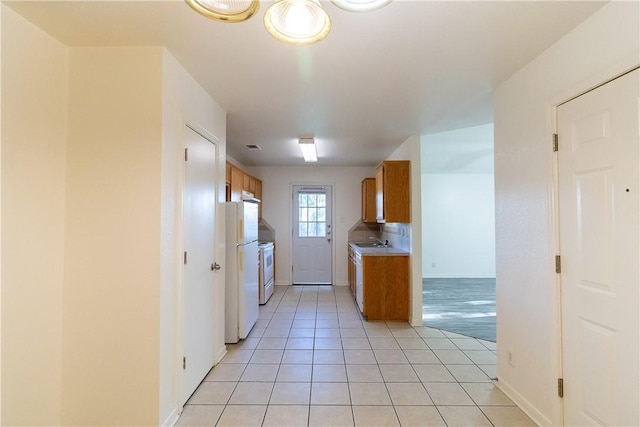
x,y
333,227
581,88
219,250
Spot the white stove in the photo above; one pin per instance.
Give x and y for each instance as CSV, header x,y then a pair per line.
x,y
266,271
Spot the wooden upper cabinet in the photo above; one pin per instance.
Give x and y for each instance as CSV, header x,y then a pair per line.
x,y
258,190
368,212
237,179
252,185
393,191
246,180
258,195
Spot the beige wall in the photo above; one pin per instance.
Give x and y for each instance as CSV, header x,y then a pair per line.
x,y
91,181
276,210
528,321
112,257
34,114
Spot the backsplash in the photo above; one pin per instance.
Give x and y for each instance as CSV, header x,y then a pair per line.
x,y
266,233
398,234
363,232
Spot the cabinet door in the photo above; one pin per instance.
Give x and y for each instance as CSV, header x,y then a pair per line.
x,y
351,264
380,193
386,287
258,194
252,185
368,213
246,180
228,173
236,184
393,195
361,295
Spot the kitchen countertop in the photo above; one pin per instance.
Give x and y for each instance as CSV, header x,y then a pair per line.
x,y
377,251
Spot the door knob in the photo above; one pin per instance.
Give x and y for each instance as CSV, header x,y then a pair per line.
x,y
215,266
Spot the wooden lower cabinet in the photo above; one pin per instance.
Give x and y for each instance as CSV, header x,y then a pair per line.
x,y
351,267
386,287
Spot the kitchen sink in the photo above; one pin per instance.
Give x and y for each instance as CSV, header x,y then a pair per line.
x,y
371,245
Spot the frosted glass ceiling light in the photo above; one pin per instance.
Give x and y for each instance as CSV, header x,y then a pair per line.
x,y
297,22
360,5
308,148
226,10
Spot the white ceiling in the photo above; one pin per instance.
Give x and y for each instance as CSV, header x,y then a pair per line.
x,y
411,68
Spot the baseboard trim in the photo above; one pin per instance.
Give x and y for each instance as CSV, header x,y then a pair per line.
x,y
289,284
282,284
448,276
172,419
221,353
526,406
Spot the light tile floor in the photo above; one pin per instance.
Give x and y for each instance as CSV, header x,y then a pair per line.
x,y
311,360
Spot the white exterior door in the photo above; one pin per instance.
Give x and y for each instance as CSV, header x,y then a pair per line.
x,y
312,235
198,219
598,164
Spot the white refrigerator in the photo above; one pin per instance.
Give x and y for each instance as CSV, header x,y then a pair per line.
x,y
241,290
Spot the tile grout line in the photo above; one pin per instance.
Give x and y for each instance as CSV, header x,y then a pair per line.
x,y
368,335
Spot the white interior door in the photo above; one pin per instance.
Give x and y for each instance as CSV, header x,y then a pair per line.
x,y
312,235
598,163
198,216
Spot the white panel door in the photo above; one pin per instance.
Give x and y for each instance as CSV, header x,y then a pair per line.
x,y
312,235
598,164
198,216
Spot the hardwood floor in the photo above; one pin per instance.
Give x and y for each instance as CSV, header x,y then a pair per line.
x,y
463,306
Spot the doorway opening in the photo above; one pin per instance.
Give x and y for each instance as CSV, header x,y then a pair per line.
x,y
458,232
312,235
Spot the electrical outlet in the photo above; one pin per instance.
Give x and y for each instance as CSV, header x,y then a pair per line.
x,y
511,357
433,265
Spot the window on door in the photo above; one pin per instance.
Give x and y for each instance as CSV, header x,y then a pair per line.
x,y
311,232
312,215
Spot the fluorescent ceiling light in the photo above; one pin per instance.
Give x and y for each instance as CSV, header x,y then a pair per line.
x,y
360,5
297,22
308,149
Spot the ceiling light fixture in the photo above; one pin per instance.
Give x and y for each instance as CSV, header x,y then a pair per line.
x,y
308,148
361,5
226,10
297,22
